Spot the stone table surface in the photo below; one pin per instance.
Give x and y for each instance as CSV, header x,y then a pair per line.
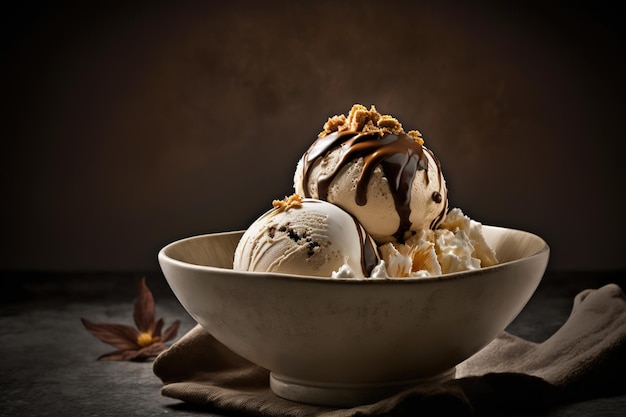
x,y
49,363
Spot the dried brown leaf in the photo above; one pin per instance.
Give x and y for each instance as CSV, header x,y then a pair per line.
x,y
119,335
134,355
144,308
127,339
171,331
119,355
151,351
157,328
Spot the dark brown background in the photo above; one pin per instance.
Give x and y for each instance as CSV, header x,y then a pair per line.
x,y
126,127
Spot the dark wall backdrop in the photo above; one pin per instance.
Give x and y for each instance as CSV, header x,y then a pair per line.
x,y
125,127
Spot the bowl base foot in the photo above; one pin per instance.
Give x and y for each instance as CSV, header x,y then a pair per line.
x,y
346,395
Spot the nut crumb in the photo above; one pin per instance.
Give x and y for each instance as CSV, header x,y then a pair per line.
x,y
416,135
362,120
293,201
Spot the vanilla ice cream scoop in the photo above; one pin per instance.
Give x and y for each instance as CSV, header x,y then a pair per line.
x,y
306,237
386,178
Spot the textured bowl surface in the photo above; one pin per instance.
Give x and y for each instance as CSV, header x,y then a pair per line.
x,y
346,341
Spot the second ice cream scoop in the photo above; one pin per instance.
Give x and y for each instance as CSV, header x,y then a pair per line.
x,y
306,237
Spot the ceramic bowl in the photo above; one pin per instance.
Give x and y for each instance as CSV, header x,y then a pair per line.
x,y
344,342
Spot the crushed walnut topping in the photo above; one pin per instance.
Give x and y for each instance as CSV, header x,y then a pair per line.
x,y
362,120
293,201
416,135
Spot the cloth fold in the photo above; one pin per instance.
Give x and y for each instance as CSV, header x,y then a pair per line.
x,y
585,358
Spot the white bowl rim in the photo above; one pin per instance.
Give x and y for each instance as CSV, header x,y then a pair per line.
x,y
545,249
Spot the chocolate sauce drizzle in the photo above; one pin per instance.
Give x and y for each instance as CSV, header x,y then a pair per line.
x,y
369,251
399,156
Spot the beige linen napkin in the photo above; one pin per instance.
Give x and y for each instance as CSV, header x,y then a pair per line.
x,y
585,358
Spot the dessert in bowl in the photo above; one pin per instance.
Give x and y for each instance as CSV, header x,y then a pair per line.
x,y
346,341
363,281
